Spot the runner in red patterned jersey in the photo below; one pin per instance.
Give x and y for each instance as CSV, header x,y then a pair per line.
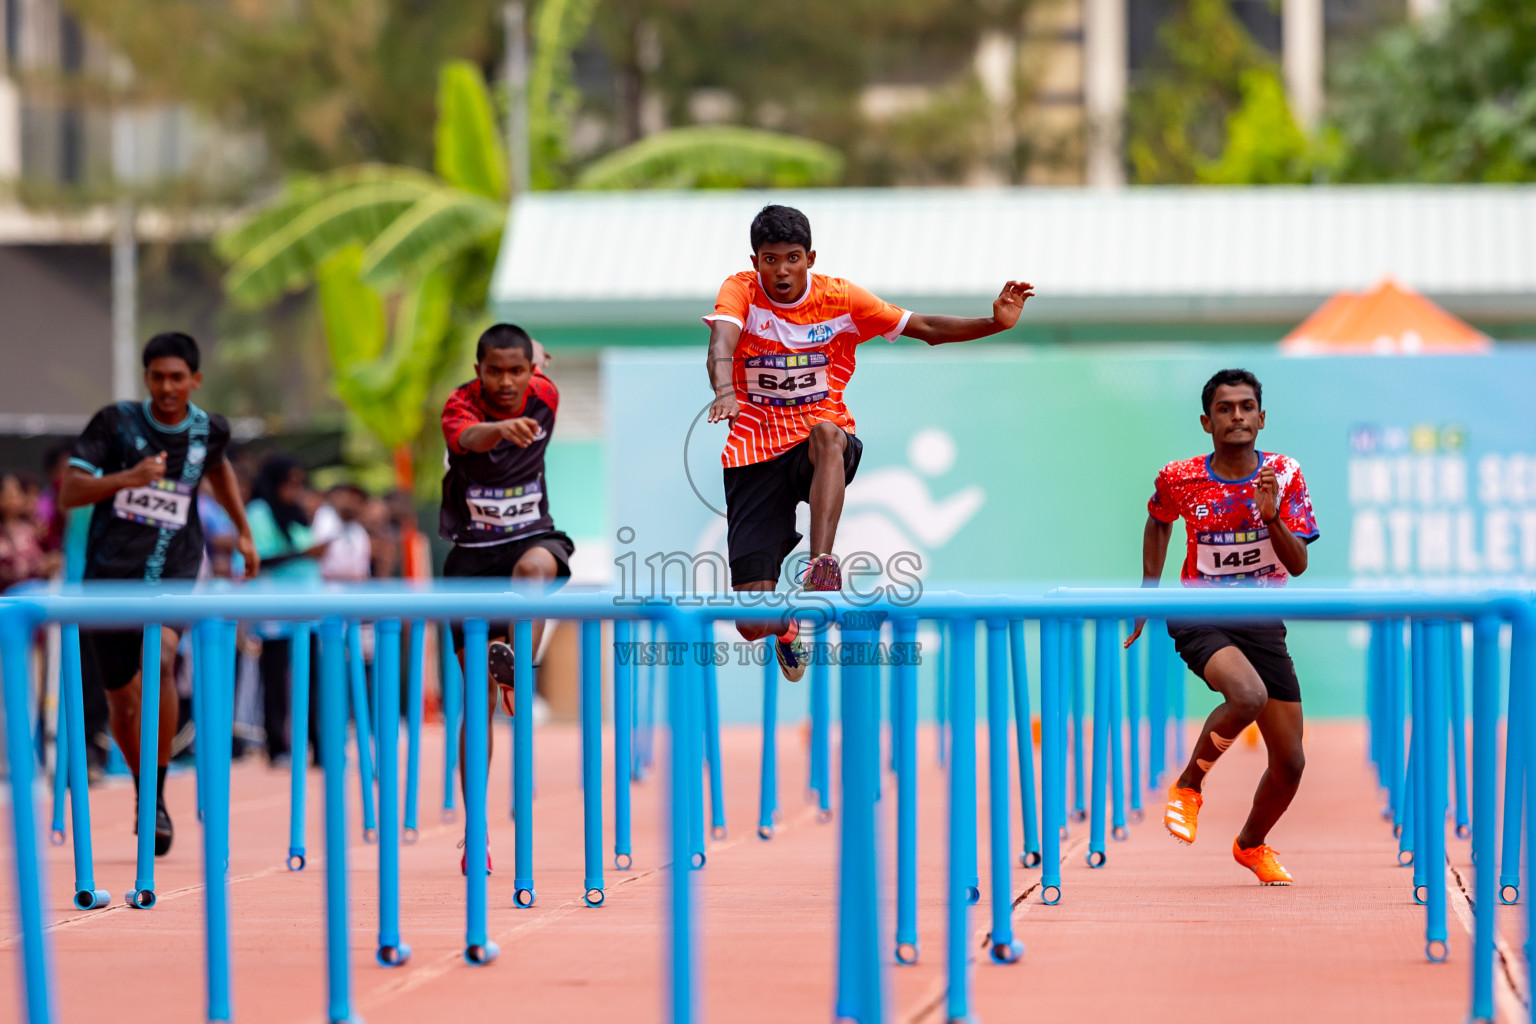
x,y
1248,520
495,503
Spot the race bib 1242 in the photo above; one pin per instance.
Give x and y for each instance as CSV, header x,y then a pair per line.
x,y
787,380
504,509
164,504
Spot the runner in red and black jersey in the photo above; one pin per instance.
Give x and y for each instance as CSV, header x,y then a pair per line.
x,y
1248,520
495,504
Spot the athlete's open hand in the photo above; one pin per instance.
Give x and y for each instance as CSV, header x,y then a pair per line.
x,y
522,431
540,356
1010,302
725,408
247,548
1266,494
149,469
1136,632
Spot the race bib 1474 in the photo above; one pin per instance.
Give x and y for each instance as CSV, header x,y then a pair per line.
x,y
164,504
787,380
504,509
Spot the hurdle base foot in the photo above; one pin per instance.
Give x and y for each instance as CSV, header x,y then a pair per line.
x,y
906,953
1007,952
480,955
393,956
140,899
91,899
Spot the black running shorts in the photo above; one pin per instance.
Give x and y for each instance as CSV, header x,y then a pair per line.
x,y
1263,644
499,560
112,657
760,502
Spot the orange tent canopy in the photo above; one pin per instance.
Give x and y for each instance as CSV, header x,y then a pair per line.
x,y
1387,320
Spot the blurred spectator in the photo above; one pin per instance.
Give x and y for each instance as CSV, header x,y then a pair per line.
x,y
220,559
22,557
349,556
384,538
280,515
50,513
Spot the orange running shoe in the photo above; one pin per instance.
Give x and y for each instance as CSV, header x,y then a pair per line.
x,y
1264,862
1182,814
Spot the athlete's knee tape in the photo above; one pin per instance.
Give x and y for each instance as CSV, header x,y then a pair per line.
x,y
1221,743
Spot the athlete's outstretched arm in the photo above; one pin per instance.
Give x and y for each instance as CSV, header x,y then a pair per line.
x,y
937,329
80,487
1154,553
225,488
723,336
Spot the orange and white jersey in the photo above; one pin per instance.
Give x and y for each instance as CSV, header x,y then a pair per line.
x,y
793,360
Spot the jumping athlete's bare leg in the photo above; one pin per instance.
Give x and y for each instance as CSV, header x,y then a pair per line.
x,y
828,485
756,629
1280,725
123,708
1231,675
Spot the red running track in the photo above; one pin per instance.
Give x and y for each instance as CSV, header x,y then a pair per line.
x,y
1163,932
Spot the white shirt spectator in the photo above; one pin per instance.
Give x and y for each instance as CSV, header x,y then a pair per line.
x,y
348,559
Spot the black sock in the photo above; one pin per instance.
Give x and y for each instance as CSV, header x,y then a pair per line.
x,y
160,785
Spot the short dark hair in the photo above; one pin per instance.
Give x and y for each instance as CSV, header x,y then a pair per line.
x,y
1220,377
780,224
172,345
503,336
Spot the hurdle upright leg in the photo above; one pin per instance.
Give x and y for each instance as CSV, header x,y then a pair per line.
x,y
416,652
1103,642
524,894
1025,739
905,671
478,948
333,758
451,687
142,896
592,758
37,966
962,816
71,696
391,952
1004,948
1073,633
1052,761
717,830
363,727
299,764
1485,726
1456,656
768,779
624,676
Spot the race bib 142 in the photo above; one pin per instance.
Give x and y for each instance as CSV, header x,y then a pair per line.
x,y
1234,556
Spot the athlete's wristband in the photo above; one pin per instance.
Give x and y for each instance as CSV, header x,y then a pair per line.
x,y
1270,522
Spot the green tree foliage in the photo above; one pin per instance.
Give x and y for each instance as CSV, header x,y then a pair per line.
x,y
1264,146
1177,118
1449,100
324,82
801,67
401,259
715,157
